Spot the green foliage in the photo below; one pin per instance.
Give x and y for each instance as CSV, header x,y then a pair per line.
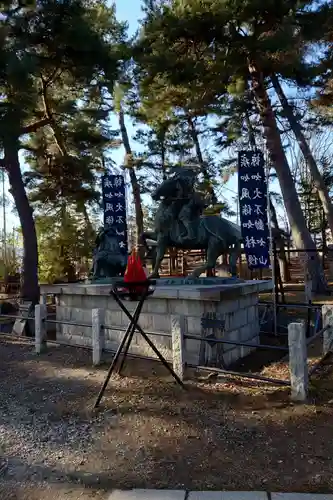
x,y
312,208
10,254
191,45
58,64
65,247
324,101
66,155
65,44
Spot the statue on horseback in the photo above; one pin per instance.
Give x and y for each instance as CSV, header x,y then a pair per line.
x,y
180,223
184,206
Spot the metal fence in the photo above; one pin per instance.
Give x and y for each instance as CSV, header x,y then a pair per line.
x,y
296,352
271,312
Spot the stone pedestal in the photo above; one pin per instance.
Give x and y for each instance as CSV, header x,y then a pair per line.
x,y
228,311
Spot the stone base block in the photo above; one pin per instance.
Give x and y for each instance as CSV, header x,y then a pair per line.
x,y
232,311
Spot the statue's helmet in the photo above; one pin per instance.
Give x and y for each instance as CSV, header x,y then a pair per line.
x,y
185,174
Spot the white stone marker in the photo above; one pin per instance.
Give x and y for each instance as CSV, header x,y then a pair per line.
x,y
298,367
40,328
97,334
327,313
178,344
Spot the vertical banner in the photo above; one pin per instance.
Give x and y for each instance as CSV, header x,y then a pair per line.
x,y
252,191
114,201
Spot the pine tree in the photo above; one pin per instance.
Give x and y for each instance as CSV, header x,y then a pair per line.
x,y
131,161
64,46
320,28
190,43
64,245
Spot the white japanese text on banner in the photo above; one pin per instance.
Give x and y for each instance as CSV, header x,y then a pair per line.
x,y
114,202
252,188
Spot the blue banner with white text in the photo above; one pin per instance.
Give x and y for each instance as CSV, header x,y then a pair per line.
x,y
252,191
114,202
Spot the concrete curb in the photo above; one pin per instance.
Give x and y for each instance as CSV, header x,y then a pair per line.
x,y
212,495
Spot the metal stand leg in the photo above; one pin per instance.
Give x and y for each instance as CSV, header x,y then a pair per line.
x,y
129,332
127,339
127,346
150,343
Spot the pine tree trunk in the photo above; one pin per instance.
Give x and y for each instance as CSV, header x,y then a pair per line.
x,y
87,221
279,245
252,137
164,175
297,223
29,286
133,178
307,154
204,171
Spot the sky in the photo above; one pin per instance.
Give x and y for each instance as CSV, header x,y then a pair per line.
x,y
129,11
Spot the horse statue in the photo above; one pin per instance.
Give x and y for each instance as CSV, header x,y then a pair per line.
x,y
108,259
179,223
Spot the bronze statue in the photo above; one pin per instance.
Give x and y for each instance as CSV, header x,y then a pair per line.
x,y
108,260
189,205
179,223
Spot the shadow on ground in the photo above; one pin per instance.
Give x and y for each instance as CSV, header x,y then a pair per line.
x,y
149,433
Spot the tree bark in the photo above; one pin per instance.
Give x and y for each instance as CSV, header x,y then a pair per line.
x,y
252,137
29,287
298,227
162,142
133,178
307,154
87,220
57,134
279,245
33,127
204,171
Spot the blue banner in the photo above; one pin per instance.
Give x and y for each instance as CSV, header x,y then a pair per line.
x,y
252,191
114,202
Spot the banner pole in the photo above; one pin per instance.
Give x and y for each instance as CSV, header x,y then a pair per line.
x,y
271,246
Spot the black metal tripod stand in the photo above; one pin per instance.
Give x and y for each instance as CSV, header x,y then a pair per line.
x,y
128,291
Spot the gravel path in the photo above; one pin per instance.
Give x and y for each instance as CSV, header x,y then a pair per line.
x,y
148,433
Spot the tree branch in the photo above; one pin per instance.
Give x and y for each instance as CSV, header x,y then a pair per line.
x,y
33,127
56,130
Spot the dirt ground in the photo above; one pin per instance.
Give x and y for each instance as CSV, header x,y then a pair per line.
x,y
149,433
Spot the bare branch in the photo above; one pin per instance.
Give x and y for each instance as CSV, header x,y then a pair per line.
x,y
33,127
56,130
50,79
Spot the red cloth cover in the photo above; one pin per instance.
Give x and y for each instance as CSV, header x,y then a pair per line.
x,y
134,270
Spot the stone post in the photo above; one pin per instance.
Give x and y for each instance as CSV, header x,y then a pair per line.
x,y
178,344
43,299
308,290
327,315
97,334
298,367
40,328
